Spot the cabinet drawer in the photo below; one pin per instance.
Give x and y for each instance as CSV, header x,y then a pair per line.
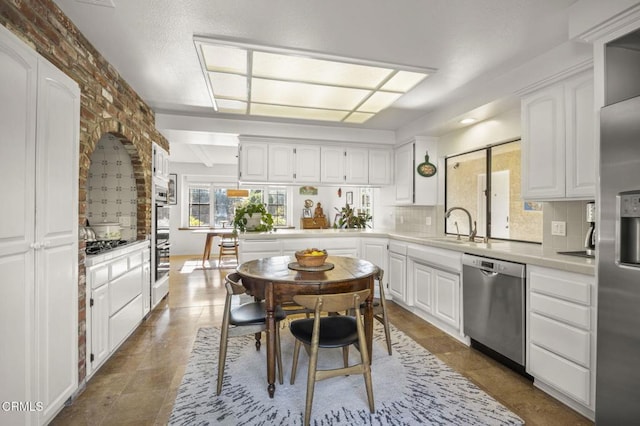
x,y
135,260
567,377
270,246
571,313
118,267
443,259
99,276
565,340
398,248
566,285
124,289
124,322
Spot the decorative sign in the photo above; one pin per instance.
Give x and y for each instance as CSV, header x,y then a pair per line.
x,y
426,169
308,190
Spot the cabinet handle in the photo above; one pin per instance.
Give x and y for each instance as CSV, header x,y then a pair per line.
x,y
36,245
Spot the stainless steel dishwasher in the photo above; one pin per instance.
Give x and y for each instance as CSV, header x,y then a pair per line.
x,y
493,293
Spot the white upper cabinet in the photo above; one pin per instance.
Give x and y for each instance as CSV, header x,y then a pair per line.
x,y
558,143
411,187
307,163
404,174
293,163
356,168
380,167
254,162
266,160
280,168
160,164
332,164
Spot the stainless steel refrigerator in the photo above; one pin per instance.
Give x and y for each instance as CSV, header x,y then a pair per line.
x,y
618,252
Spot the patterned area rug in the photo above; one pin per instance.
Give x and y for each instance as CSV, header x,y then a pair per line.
x,y
410,387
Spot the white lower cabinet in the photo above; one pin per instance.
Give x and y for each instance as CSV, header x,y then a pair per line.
x,y
376,251
423,292
446,288
118,286
561,335
433,280
398,272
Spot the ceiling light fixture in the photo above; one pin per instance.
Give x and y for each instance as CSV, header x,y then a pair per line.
x,y
262,81
467,120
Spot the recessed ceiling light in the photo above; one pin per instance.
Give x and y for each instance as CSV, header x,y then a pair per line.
x,y
257,80
467,120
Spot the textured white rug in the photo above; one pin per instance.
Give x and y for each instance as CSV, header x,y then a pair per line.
x,y
410,387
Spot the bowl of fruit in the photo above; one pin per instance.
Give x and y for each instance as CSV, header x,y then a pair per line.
x,y
311,257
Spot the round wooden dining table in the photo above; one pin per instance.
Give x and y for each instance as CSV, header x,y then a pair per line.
x,y
273,280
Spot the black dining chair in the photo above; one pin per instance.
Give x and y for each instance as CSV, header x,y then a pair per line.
x,y
247,318
333,331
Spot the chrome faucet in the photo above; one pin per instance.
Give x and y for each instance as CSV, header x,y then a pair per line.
x,y
472,224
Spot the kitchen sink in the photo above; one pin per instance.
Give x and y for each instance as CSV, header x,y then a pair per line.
x,y
451,240
578,253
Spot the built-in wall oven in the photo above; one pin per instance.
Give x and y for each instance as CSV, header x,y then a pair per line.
x,y
161,246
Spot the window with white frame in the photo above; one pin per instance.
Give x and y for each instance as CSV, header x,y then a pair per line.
x,y
209,205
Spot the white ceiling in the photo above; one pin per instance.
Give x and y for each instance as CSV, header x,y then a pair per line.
x,y
469,42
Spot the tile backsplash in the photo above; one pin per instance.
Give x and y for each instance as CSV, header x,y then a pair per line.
x,y
111,187
414,219
573,213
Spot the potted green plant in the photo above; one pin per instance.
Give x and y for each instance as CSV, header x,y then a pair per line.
x,y
252,217
348,218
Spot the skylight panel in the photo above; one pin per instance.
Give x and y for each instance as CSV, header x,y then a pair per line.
x,y
358,117
305,95
310,70
297,112
231,86
379,101
403,81
232,107
224,58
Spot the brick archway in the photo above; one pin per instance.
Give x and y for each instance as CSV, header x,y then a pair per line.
x,y
132,144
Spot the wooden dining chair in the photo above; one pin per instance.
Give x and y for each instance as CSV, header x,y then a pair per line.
x,y
380,308
228,247
333,331
247,318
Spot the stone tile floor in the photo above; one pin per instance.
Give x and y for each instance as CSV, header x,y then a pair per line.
x,y
138,384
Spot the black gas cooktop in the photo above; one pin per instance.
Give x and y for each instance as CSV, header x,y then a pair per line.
x,y
97,247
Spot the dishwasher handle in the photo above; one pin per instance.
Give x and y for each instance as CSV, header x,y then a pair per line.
x,y
486,264
488,273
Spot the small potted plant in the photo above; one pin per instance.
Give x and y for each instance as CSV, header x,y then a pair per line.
x,y
252,217
347,218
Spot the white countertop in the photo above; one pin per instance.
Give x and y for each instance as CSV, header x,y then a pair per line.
x,y
96,259
532,254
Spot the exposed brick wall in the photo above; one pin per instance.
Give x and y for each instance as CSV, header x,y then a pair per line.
x,y
108,105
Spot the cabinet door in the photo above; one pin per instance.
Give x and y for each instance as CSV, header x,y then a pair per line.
x,y
146,284
280,163
422,279
332,164
18,90
403,168
581,141
543,144
57,141
447,297
375,251
380,167
99,326
397,276
357,165
307,164
253,162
